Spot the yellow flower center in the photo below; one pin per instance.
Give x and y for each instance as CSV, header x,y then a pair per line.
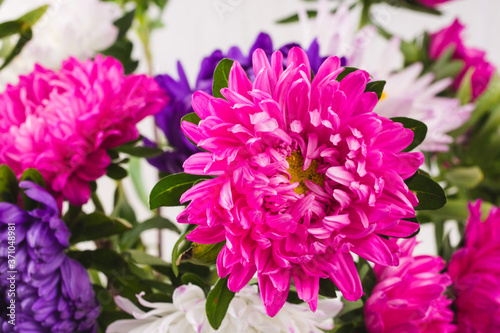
x,y
384,95
297,173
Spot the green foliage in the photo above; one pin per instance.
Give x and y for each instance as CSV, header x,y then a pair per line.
x,y
96,226
168,190
375,86
430,194
221,77
9,189
131,237
419,130
218,301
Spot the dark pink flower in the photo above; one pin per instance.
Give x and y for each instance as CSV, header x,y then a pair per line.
x,y
62,123
473,58
307,174
432,3
475,271
410,298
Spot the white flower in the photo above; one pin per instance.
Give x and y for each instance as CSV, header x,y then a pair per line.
x,y
77,28
408,94
246,313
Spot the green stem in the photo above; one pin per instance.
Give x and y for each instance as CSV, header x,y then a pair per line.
x,y
365,14
97,203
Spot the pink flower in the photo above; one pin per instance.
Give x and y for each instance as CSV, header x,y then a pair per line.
x,y
62,123
432,3
410,298
475,271
473,58
307,174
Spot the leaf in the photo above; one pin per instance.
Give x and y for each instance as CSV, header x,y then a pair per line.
x,y
295,17
203,254
34,176
142,258
129,238
33,16
9,188
419,130
177,250
124,23
429,193
168,191
10,28
26,36
194,279
464,93
96,226
327,288
139,151
192,118
218,301
221,76
161,3
116,172
468,177
134,170
375,86
345,72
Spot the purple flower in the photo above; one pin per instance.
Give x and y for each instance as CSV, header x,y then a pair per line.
x,y
180,92
49,291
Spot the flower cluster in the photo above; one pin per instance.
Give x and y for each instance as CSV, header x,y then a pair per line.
x,y
69,28
475,270
245,314
52,291
307,175
410,297
451,37
62,122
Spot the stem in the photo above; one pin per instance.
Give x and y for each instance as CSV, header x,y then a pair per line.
x,y
365,14
97,202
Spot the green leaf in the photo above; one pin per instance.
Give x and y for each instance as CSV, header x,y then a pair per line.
x,y
194,279
139,151
33,16
376,86
295,17
327,288
345,72
122,208
9,189
178,249
464,93
468,177
129,238
221,76
10,28
142,258
429,193
168,190
116,172
160,3
160,286
415,6
34,176
96,226
218,301
203,254
26,36
192,118
419,130
124,23
134,170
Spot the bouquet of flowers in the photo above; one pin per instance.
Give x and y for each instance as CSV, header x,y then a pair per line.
x,y
302,175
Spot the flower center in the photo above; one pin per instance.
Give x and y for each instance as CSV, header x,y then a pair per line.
x,y
383,96
297,173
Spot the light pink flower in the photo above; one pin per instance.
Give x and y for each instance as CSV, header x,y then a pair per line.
x,y
473,58
475,271
307,174
410,298
62,123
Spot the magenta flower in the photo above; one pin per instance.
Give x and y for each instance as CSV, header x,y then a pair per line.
x,y
62,123
473,58
475,271
432,3
307,174
410,297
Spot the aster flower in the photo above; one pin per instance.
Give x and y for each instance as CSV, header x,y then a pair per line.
x,y
62,123
410,297
246,313
53,292
432,3
307,174
473,58
180,94
474,270
68,28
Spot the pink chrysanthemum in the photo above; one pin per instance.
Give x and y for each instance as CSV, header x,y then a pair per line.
x,y
410,298
61,123
307,173
475,271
